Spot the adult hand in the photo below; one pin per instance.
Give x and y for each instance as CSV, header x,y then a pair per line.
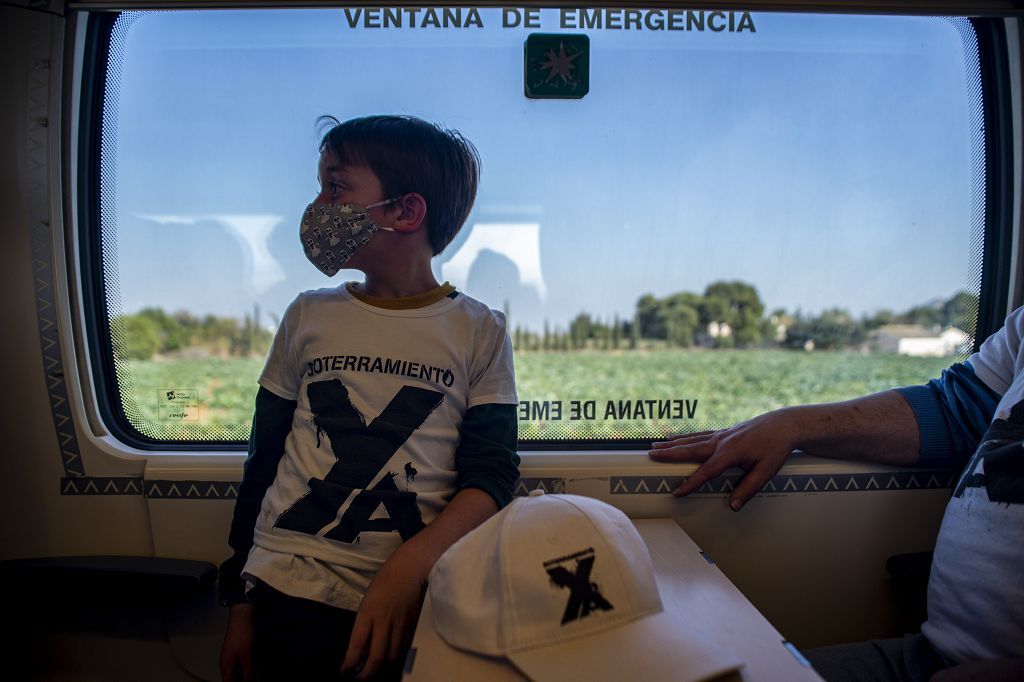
x,y
386,618
759,446
236,650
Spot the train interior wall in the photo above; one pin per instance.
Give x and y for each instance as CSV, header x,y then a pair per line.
x,y
812,561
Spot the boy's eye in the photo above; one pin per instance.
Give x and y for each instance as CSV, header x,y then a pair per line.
x,y
331,189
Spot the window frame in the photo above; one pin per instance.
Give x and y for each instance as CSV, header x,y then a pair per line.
x,y
997,276
997,113
96,317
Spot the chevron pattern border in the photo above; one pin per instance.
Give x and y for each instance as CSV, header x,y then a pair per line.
x,y
159,490
617,485
549,485
722,485
191,490
100,485
221,490
37,135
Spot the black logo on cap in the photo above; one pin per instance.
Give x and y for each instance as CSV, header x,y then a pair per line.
x,y
584,596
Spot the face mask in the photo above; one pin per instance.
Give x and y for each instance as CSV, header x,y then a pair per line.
x,y
331,233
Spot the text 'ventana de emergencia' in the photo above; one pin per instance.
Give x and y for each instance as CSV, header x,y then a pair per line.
x,y
575,19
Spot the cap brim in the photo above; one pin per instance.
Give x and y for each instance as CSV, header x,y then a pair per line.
x,y
657,647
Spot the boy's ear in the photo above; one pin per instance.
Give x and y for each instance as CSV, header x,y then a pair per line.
x,y
412,212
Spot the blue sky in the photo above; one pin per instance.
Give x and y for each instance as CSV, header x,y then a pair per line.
x,y
823,159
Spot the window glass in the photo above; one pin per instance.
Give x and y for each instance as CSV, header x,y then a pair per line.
x,y
743,211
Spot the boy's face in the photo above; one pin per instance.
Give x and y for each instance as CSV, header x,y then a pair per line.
x,y
353,184
348,185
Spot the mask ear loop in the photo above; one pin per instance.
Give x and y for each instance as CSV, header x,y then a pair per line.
x,y
383,203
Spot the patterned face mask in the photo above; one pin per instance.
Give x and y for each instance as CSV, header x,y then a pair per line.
x,y
331,233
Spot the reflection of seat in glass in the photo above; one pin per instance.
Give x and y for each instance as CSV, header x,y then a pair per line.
x,y
495,279
518,243
262,270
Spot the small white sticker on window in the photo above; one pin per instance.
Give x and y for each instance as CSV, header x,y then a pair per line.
x,y
179,405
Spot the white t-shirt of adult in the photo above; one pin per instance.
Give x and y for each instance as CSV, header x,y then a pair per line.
x,y
976,589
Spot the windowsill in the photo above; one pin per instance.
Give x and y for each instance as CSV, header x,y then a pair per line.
x,y
227,465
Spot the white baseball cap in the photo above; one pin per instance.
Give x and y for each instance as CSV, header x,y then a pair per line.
x,y
563,587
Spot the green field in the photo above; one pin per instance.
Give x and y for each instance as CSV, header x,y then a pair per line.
x,y
728,386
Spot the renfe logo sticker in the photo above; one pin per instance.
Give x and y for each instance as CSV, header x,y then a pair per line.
x,y
178,405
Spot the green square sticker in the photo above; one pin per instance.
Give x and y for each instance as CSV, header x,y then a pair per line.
x,y
556,65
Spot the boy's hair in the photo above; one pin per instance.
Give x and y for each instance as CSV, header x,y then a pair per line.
x,y
408,154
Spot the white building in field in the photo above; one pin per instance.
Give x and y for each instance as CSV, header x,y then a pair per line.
x,y
719,329
914,339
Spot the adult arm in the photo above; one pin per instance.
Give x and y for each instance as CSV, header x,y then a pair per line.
x,y
938,424
270,427
878,428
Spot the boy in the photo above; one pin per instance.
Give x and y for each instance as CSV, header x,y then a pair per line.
x,y
385,424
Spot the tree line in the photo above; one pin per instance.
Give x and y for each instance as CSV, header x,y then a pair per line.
x,y
152,332
730,314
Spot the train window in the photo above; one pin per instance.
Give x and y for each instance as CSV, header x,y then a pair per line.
x,y
688,217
